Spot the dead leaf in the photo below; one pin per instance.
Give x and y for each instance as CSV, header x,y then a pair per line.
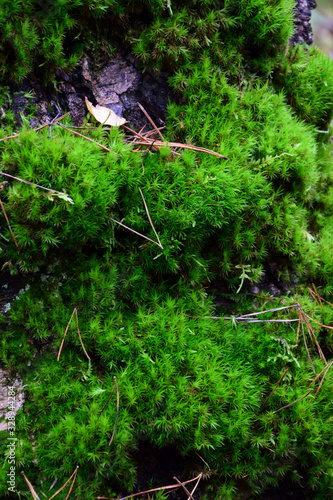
x,y
105,115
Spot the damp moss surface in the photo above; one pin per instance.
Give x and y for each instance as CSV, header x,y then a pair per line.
x,y
155,313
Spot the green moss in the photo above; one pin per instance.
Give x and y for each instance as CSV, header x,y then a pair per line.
x,y
145,312
306,77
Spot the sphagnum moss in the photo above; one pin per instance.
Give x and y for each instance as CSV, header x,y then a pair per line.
x,y
184,379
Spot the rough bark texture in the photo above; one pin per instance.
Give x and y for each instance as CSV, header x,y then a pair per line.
x,y
303,32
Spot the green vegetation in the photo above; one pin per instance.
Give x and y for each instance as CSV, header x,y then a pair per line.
x,y
145,312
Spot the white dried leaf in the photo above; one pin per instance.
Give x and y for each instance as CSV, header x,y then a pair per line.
x,y
105,115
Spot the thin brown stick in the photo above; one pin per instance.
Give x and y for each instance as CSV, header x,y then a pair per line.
x,y
142,129
151,223
150,132
306,347
114,386
181,146
184,488
32,183
115,425
87,128
329,303
287,406
196,484
313,295
36,129
63,339
78,331
171,486
320,352
136,133
318,376
60,489
319,298
10,229
309,329
136,232
322,380
70,489
204,461
324,326
151,120
276,386
10,137
34,494
84,137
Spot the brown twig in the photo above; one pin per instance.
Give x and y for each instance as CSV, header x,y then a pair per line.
x,y
181,146
114,386
151,223
62,487
319,298
150,132
318,376
196,484
136,232
312,333
84,137
306,346
171,486
63,339
313,295
70,489
136,133
204,461
35,129
34,494
78,331
320,324
151,120
142,129
87,128
287,406
271,394
322,380
10,229
184,488
117,415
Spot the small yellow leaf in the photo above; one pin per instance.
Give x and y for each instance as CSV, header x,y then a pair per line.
x,y
104,115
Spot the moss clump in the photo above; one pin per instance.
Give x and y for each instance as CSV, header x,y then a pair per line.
x,y
50,35
145,312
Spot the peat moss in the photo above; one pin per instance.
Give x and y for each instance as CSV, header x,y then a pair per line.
x,y
185,380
